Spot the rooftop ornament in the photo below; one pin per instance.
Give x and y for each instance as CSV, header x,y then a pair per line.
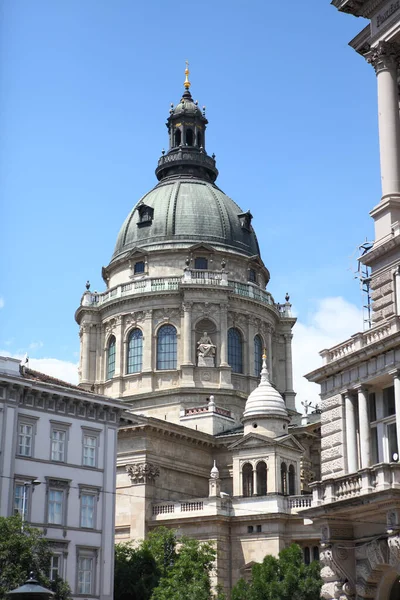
x,y
187,83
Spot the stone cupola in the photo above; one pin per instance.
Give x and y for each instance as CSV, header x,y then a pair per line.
x,y
187,143
265,412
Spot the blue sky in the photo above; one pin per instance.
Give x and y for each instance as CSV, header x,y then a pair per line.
x,y
85,92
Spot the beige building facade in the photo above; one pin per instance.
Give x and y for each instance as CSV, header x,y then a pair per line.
x,y
357,503
179,336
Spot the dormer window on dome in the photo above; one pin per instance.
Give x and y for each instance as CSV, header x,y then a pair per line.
x,y
245,220
145,215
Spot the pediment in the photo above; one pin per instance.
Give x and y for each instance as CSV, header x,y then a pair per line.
x,y
135,253
254,440
201,246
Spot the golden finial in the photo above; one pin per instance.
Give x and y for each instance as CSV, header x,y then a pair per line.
x,y
264,356
187,82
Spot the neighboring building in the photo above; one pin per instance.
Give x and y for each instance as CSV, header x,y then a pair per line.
x,y
357,503
57,463
179,336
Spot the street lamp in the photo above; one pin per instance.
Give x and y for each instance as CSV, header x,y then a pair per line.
x,y
26,485
31,590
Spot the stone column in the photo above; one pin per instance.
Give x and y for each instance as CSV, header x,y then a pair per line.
x,y
85,362
119,347
289,392
396,381
187,333
384,59
255,490
223,321
365,431
351,434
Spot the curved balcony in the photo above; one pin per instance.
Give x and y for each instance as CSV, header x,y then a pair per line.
x,y
191,277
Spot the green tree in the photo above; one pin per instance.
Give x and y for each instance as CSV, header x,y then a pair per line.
x,y
283,578
136,572
22,552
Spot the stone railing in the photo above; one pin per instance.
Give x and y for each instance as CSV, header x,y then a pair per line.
x,y
380,477
297,503
360,340
150,285
189,508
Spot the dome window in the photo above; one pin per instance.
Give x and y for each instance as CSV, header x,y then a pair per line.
x,y
199,140
139,267
178,137
166,348
135,351
111,357
201,263
245,220
145,215
252,276
189,137
235,350
258,346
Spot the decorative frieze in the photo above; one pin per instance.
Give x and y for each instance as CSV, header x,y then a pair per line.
x,y
141,473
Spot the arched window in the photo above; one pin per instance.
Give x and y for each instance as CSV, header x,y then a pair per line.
x,y
307,555
292,481
235,354
261,479
284,479
257,355
135,351
199,139
200,263
166,347
111,357
178,137
247,476
315,552
189,137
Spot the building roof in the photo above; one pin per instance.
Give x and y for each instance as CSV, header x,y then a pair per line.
x,y
265,400
43,378
187,210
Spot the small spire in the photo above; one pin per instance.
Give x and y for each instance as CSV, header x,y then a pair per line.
x,y
264,369
187,82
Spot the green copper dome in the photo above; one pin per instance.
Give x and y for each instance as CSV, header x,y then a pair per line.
x,y
184,210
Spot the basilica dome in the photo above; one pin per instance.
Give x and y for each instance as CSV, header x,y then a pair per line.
x,y
186,207
183,210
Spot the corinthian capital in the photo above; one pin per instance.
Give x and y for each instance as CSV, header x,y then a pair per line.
x,y
384,56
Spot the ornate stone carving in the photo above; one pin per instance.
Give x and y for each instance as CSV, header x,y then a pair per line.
x,y
384,56
338,580
132,319
110,326
205,351
394,550
143,473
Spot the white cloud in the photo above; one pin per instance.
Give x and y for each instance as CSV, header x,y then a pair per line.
x,y
333,321
1,302
35,345
62,369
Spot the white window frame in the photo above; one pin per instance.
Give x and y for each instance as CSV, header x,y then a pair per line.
x,y
93,433
91,491
62,486
60,557
59,427
19,483
27,421
83,554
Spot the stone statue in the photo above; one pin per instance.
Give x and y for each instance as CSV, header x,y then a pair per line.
x,y
307,405
205,351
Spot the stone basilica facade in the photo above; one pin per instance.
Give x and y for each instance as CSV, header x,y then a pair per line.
x,y
181,335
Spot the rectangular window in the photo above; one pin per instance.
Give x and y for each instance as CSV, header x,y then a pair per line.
x,y
55,507
25,439
87,511
59,440
89,450
374,446
391,431
19,492
85,575
372,407
55,567
388,402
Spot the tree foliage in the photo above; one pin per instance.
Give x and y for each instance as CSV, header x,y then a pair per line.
x,y
22,552
163,567
283,578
